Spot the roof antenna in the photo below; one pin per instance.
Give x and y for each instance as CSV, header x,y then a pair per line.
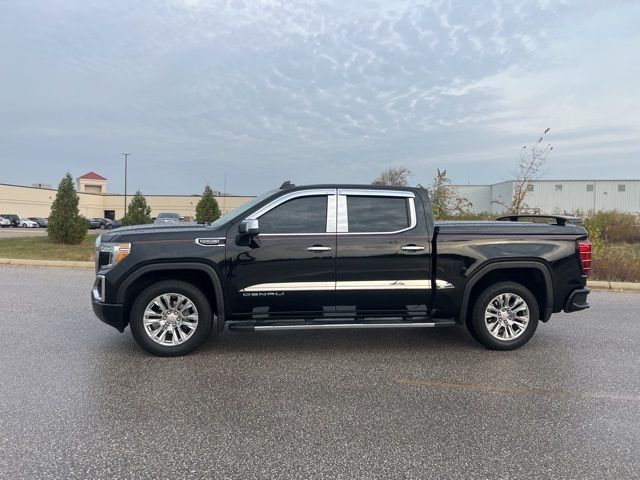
x,y
287,184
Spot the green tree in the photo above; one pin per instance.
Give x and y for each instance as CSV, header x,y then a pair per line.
x,y
445,199
207,209
138,212
65,223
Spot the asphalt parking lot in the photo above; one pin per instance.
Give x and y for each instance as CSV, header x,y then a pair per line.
x,y
80,400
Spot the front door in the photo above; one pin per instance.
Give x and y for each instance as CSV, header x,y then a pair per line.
x,y
288,270
383,262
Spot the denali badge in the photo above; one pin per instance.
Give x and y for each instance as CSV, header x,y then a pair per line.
x,y
263,294
211,242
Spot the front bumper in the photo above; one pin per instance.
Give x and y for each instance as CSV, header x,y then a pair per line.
x,y
577,300
110,313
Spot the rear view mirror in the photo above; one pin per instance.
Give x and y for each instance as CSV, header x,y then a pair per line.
x,y
249,227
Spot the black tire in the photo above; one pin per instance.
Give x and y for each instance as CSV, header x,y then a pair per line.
x,y
479,329
194,294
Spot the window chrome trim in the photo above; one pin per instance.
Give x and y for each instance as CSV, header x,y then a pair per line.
x,y
376,193
332,214
329,192
343,213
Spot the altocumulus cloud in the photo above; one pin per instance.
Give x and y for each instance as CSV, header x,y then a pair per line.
x,y
314,91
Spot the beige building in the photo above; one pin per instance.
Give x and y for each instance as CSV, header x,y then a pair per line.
x,y
96,202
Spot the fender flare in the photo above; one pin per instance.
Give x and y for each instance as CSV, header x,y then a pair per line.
x,y
501,265
156,267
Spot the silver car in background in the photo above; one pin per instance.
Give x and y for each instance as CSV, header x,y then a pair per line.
x,y
165,217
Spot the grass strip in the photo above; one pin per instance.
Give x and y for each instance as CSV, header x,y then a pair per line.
x,y
41,248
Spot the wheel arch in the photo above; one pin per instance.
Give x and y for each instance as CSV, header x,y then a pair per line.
x,y
201,275
528,273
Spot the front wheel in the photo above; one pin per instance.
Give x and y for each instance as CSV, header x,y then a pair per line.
x,y
170,318
505,316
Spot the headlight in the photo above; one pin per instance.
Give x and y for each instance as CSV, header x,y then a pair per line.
x,y
110,254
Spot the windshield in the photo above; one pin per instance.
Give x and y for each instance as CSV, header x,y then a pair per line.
x,y
168,215
241,209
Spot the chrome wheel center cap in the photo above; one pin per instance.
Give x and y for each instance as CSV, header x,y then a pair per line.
x,y
172,318
504,316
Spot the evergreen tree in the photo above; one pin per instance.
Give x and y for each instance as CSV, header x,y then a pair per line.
x,y
138,212
207,209
65,223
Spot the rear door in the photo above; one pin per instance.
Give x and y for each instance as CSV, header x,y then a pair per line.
x,y
383,253
289,268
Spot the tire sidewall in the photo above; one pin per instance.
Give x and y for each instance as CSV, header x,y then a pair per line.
x,y
480,331
205,317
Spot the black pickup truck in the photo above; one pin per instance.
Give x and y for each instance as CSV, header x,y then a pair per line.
x,y
338,256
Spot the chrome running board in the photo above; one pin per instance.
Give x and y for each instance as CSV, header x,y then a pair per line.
x,y
338,326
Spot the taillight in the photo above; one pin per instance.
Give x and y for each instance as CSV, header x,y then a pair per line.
x,y
584,249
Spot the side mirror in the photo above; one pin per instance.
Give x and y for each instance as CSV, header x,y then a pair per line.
x,y
249,227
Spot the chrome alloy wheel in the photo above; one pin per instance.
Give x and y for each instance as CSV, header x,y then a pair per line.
x,y
507,316
170,319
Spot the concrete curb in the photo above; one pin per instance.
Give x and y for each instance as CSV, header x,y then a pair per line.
x,y
618,286
23,262
594,284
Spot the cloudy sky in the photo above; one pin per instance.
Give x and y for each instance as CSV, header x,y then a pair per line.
x,y
315,91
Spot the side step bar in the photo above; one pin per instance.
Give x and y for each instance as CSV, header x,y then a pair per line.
x,y
338,326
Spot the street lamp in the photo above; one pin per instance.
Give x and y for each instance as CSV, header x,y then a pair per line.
x,y
126,157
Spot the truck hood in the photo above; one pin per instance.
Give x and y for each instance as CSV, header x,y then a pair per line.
x,y
161,231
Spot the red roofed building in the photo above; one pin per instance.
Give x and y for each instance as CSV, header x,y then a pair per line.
x,y
91,182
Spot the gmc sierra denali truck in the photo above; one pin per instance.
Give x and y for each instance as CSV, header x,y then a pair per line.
x,y
338,256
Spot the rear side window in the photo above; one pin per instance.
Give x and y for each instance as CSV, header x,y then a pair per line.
x,y
298,215
377,214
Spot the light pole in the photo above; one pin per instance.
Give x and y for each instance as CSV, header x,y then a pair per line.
x,y
126,157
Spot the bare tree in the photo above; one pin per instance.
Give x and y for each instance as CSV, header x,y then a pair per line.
x,y
445,198
530,168
396,177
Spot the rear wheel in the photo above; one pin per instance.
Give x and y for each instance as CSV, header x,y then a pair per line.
x,y
171,318
505,316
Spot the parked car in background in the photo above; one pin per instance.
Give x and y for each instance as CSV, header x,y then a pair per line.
x,y
26,223
104,223
41,221
166,217
5,222
92,223
13,218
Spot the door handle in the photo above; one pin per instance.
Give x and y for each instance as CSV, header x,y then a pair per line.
x,y
412,248
318,248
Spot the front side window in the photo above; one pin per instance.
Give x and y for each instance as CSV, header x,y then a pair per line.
x,y
298,215
377,214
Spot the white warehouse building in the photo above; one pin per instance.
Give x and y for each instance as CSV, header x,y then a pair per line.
x,y
557,196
